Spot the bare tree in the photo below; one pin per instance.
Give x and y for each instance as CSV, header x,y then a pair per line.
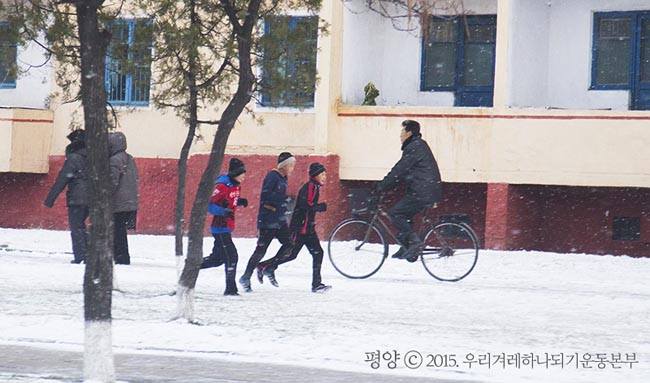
x,y
250,47
74,33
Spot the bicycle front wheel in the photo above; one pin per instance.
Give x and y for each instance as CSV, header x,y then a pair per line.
x,y
357,249
450,252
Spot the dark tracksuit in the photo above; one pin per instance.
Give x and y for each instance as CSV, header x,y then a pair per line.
x,y
303,230
223,205
417,168
271,220
73,175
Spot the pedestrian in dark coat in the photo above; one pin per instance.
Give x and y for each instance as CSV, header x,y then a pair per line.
x,y
418,170
223,206
124,190
272,219
73,175
303,227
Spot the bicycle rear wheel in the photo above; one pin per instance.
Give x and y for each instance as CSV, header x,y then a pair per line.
x,y
356,249
450,252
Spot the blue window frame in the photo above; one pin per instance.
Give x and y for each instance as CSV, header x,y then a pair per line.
x,y
128,63
289,71
8,58
458,55
621,55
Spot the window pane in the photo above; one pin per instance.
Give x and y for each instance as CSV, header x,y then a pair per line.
x,y
7,56
613,63
645,51
440,70
481,33
141,61
289,62
117,61
442,31
479,65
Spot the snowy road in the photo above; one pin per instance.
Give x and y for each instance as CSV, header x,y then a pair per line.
x,y
513,302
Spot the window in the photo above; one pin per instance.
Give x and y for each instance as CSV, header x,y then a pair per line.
x,y
621,55
7,58
458,56
626,229
289,62
128,63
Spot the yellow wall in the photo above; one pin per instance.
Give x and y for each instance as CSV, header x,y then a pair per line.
x,y
25,136
522,146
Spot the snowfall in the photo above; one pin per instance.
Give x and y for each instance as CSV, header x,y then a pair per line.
x,y
513,302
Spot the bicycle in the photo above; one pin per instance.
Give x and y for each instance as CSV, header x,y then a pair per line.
x,y
357,247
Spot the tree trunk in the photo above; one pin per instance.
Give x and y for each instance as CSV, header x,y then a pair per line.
x,y
179,220
242,96
98,355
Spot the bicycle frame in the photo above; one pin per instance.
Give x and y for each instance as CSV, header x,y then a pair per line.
x,y
380,223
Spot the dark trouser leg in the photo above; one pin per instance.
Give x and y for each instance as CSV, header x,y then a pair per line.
x,y
402,213
77,215
216,258
263,242
313,245
230,256
120,243
283,257
285,253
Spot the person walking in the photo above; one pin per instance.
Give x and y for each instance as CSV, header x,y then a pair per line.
x,y
73,175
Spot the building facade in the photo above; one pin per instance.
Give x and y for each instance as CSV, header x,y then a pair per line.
x,y
535,111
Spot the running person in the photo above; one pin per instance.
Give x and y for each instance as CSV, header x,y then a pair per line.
x,y
223,205
271,220
303,227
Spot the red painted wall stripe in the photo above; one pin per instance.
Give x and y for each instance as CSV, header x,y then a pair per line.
x,y
27,120
493,116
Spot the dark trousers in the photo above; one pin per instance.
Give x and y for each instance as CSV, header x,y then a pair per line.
x,y
313,245
266,236
77,215
403,212
121,222
224,252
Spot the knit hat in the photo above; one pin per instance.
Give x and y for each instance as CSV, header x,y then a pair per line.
x,y
316,169
77,135
285,158
236,167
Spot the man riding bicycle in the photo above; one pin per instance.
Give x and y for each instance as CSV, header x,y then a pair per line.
x,y
418,170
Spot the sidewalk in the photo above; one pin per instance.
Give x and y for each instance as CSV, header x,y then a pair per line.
x,y
25,364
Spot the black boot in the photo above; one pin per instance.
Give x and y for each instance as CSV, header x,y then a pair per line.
x,y
414,249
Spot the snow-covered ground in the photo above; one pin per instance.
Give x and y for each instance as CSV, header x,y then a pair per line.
x,y
513,302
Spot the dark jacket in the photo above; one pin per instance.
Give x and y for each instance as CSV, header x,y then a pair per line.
x,y
303,220
417,169
73,174
223,205
273,201
124,175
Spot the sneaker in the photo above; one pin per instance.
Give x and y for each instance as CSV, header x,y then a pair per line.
x,y
77,261
270,275
245,284
260,274
231,294
320,288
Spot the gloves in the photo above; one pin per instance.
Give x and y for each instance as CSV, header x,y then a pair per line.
x,y
242,202
48,203
320,207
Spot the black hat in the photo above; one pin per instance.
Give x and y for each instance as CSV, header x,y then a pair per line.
x,y
316,169
77,135
236,167
285,158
